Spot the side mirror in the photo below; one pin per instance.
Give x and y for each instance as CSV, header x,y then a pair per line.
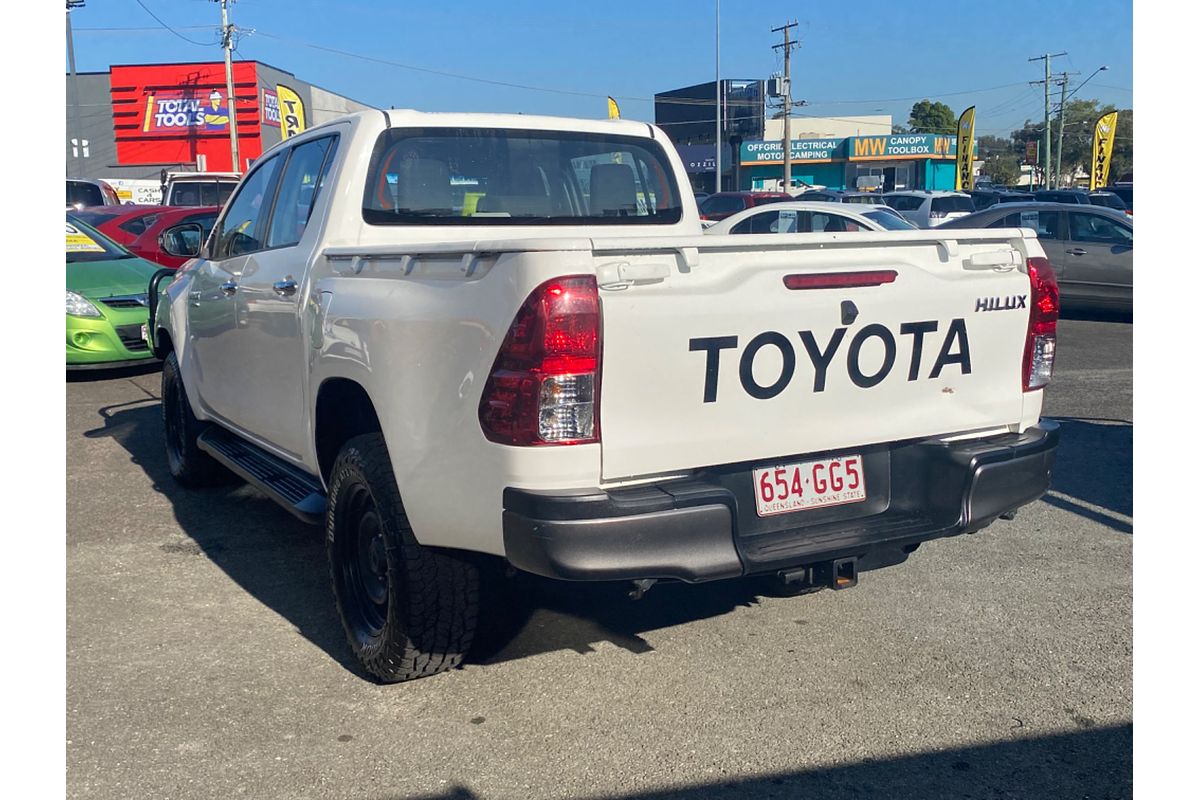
x,y
182,241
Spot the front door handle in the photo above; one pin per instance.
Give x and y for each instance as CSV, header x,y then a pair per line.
x,y
1078,251
194,297
228,288
284,288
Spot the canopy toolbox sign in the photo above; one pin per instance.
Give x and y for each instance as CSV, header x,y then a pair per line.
x,y
905,145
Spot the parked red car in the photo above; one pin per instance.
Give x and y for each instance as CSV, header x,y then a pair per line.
x,y
725,204
122,224
155,242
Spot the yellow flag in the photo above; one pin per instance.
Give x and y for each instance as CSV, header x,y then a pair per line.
x,y
1102,147
964,175
291,111
614,111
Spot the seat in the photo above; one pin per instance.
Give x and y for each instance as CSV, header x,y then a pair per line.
x,y
613,191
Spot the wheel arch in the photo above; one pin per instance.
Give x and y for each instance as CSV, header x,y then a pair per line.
x,y
343,410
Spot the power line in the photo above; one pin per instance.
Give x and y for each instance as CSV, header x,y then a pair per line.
x,y
145,29
172,30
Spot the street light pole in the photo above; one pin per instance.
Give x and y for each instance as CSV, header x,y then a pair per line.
x,y
1062,117
718,139
76,132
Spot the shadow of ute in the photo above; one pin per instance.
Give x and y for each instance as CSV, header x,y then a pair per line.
x,y
282,563
1093,471
273,556
1095,764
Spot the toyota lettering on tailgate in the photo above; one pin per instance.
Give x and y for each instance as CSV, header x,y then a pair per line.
x,y
954,351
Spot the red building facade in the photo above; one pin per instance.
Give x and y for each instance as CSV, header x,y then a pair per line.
x,y
179,114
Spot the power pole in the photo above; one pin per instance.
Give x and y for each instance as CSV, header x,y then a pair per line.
x,y
1063,78
227,44
76,131
787,46
718,139
1046,58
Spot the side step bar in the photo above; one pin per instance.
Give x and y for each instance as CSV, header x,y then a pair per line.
x,y
293,488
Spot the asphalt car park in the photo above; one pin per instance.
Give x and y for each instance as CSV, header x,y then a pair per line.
x,y
204,656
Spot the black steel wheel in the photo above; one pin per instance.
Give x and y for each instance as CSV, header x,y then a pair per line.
x,y
408,611
188,464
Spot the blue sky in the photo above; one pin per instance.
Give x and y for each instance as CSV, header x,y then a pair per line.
x,y
863,57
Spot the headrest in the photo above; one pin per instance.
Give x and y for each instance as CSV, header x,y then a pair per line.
x,y
613,191
423,183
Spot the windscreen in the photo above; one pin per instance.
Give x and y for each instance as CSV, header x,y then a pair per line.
x,y
490,176
87,244
889,221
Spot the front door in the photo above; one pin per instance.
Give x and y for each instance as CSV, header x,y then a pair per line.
x,y
213,314
1100,258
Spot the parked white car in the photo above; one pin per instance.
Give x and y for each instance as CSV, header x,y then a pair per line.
x,y
809,217
930,209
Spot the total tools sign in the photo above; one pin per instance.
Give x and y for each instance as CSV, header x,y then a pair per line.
x,y
169,114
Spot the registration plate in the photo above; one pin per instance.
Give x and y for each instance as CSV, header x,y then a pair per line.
x,y
810,484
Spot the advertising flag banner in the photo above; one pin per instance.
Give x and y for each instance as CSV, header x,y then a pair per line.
x,y
1102,147
614,111
964,176
291,111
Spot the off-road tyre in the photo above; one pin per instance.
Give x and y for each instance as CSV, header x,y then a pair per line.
x,y
188,464
408,611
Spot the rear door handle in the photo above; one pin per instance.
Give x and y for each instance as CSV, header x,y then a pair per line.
x,y
228,288
284,288
1078,251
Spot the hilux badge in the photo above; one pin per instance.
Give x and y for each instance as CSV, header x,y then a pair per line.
x,y
1000,303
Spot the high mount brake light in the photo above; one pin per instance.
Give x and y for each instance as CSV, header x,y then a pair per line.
x,y
544,387
1041,337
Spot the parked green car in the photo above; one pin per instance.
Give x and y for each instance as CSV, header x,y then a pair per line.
x,y
106,300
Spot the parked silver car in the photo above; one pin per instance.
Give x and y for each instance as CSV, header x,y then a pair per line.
x,y
1090,248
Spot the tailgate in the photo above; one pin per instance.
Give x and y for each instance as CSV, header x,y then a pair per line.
x,y
719,362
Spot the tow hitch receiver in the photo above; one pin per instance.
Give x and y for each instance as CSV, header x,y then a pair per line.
x,y
840,573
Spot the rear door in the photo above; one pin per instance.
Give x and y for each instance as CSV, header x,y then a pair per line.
x,y
722,362
270,299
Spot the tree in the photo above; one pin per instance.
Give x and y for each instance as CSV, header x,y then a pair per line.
x,y
927,117
1004,170
988,146
1079,125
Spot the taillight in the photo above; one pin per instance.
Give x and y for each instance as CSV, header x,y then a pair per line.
x,y
544,387
1043,324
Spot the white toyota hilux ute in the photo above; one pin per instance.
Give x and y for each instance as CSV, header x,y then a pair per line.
x,y
458,340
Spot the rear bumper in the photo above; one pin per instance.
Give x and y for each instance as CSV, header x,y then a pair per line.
x,y
700,529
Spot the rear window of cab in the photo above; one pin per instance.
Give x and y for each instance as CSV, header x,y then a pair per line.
x,y
491,176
